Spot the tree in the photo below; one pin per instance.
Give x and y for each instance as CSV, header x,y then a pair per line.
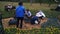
x,y
40,1
30,2
50,2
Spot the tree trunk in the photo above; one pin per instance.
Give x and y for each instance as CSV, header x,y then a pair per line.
x,y
31,2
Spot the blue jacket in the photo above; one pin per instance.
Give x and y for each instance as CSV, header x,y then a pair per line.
x,y
20,11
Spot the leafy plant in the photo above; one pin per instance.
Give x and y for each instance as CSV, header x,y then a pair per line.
x,y
10,31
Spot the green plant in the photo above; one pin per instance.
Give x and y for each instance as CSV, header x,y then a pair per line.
x,y
46,30
10,31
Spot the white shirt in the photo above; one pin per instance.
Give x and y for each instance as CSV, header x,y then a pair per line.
x,y
40,13
56,1
28,13
59,5
9,6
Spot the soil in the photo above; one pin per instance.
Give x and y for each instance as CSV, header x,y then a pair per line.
x,y
25,25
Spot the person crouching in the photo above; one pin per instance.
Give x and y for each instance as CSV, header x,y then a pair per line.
x,y
28,14
40,14
37,18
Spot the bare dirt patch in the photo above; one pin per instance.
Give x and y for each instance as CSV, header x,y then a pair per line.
x,y
25,25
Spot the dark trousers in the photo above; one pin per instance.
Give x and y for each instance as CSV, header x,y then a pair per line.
x,y
21,21
34,19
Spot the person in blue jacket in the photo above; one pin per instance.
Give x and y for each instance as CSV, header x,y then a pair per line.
x,y
19,14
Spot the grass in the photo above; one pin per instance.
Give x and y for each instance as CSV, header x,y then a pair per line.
x,y
33,31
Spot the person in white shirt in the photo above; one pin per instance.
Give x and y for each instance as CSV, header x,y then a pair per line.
x,y
9,6
28,13
57,8
56,0
36,19
59,5
40,14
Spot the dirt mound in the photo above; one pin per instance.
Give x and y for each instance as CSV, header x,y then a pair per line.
x,y
25,25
